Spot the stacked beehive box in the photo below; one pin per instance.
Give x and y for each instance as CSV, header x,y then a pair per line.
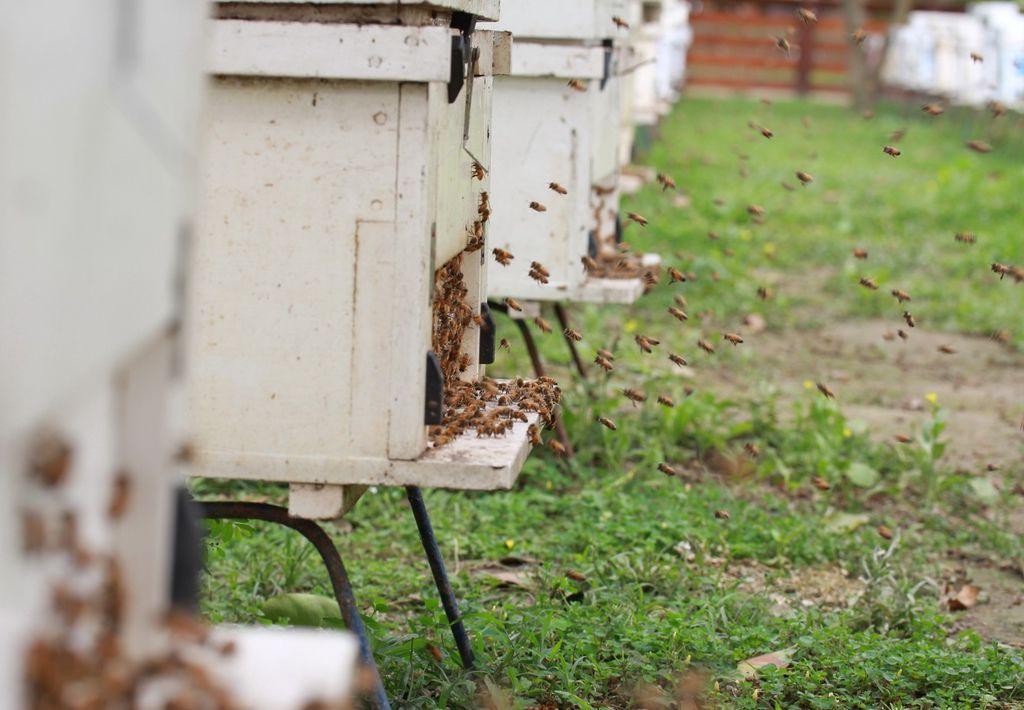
x,y
100,110
339,287
557,136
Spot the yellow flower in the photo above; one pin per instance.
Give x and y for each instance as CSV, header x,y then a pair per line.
x,y
847,432
510,543
769,249
932,397
631,326
808,385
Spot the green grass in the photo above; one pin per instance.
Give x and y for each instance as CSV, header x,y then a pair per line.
x,y
663,592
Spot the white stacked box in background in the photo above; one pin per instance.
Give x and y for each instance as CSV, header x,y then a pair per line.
x,y
675,43
100,110
1005,24
338,179
546,131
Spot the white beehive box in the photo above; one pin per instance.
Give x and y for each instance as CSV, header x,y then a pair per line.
x,y
97,136
338,179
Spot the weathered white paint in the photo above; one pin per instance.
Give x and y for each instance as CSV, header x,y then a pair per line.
x,y
486,9
563,61
321,501
562,19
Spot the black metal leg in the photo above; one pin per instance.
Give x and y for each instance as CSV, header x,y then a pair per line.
x,y
444,587
563,320
538,369
232,510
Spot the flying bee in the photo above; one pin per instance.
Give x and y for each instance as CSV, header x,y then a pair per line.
x,y
860,253
820,483
577,85
713,236
478,171
903,334
890,150
947,349
121,496
787,187
1001,336
976,58
722,514
666,182
675,275
505,345
666,401
1001,269
678,359
909,319
604,363
765,293
804,178
806,16
966,237
557,447
868,114
572,335
933,109
620,23
868,283
605,421
645,343
606,354
979,146
824,389
502,257
755,210
997,108
859,35
639,219
706,346
635,396
588,263
678,313
538,207
544,326
752,449
533,431
667,470
783,44
903,438
513,304
897,134
900,295
732,338
539,275
558,188
766,132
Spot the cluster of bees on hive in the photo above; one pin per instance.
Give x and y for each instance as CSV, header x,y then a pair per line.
x,y
77,659
488,406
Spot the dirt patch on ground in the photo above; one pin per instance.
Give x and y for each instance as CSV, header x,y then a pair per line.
x,y
884,382
822,586
999,615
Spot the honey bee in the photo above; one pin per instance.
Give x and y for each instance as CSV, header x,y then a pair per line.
x,y
572,335
680,301
588,263
765,293
947,349
558,188
605,421
890,150
732,338
666,182
678,313
997,108
544,326
606,354
783,44
933,109
577,85
859,35
557,447
666,401
787,187
675,275
903,334
122,493
678,359
806,16
868,283
576,576
50,459
824,389
502,257
706,346
909,319
860,253
505,345
903,438
804,178
645,343
766,132
966,237
667,470
533,432
1001,269
639,219
755,210
979,146
900,295
478,171
635,396
976,58
620,23
1001,336
820,483
752,449
868,114
539,275
885,531
538,207
513,304
604,363
722,514
897,134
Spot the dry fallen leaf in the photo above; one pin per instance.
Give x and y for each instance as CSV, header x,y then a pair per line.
x,y
965,598
779,659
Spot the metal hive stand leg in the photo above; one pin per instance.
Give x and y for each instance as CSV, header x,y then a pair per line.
x,y
232,510
444,587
